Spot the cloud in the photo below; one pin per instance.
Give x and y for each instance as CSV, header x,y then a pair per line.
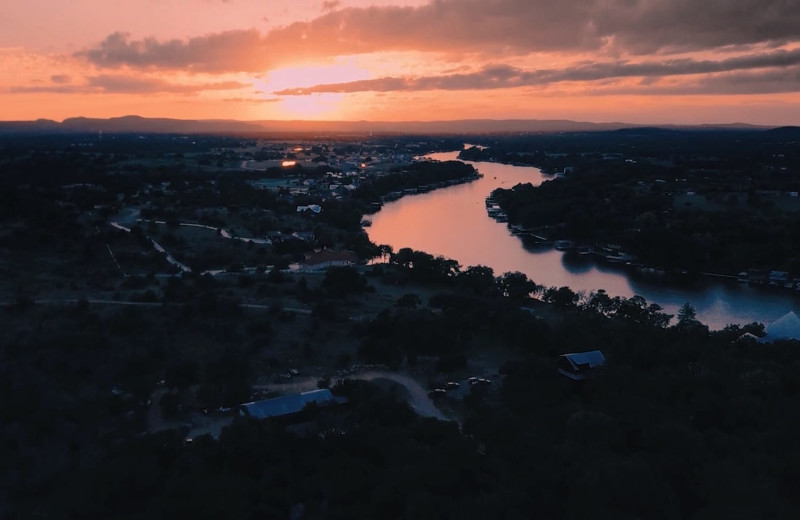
x,y
330,5
778,81
509,27
60,79
127,84
252,100
143,85
231,50
504,76
50,89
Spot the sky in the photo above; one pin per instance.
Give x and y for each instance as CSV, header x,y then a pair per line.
x,y
636,61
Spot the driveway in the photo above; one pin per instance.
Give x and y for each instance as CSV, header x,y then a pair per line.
x,y
417,394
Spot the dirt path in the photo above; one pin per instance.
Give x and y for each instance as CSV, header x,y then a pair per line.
x,y
417,394
199,424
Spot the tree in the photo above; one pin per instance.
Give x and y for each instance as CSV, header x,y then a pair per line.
x,y
340,281
409,301
516,286
601,303
687,314
688,322
479,278
385,251
403,257
181,374
563,297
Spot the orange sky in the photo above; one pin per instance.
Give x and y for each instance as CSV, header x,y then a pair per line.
x,y
638,61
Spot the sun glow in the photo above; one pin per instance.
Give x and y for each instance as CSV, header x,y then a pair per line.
x,y
316,106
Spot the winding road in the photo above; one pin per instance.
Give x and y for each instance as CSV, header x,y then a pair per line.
x,y
417,394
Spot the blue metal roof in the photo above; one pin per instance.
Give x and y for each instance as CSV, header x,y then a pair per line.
x,y
286,405
592,359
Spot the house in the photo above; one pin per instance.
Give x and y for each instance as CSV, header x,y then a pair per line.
x,y
785,327
320,260
578,366
287,404
778,278
748,336
315,208
305,236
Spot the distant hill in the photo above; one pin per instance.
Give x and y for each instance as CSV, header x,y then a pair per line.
x,y
137,124
792,132
464,126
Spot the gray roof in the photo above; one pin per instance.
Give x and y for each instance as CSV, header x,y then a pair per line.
x,y
591,359
286,405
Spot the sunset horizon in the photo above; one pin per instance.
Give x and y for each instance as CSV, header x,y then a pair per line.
x,y
400,121
647,62
358,259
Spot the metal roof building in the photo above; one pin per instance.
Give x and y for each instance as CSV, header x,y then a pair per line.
x,y
578,365
786,327
286,405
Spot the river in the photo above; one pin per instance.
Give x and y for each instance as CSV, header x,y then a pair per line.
x,y
452,222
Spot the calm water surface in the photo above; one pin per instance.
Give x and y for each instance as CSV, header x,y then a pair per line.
x,y
452,222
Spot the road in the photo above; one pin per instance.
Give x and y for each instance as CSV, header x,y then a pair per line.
x,y
213,425
417,394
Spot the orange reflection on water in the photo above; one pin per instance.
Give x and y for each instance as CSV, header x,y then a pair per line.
x,y
453,222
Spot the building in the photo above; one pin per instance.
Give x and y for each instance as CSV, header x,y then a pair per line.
x,y
321,260
578,366
785,327
315,208
287,404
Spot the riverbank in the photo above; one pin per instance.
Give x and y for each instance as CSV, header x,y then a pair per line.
x,y
422,176
435,222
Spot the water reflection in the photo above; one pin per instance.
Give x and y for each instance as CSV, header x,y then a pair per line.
x,y
453,222
575,263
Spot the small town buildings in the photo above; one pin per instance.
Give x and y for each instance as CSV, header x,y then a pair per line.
x,y
579,366
778,278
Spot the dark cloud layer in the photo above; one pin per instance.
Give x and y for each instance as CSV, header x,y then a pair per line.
x,y
778,81
138,85
475,26
503,76
60,79
231,50
127,84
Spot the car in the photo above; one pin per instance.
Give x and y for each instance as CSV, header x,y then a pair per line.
x,y
484,381
472,380
451,385
436,393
